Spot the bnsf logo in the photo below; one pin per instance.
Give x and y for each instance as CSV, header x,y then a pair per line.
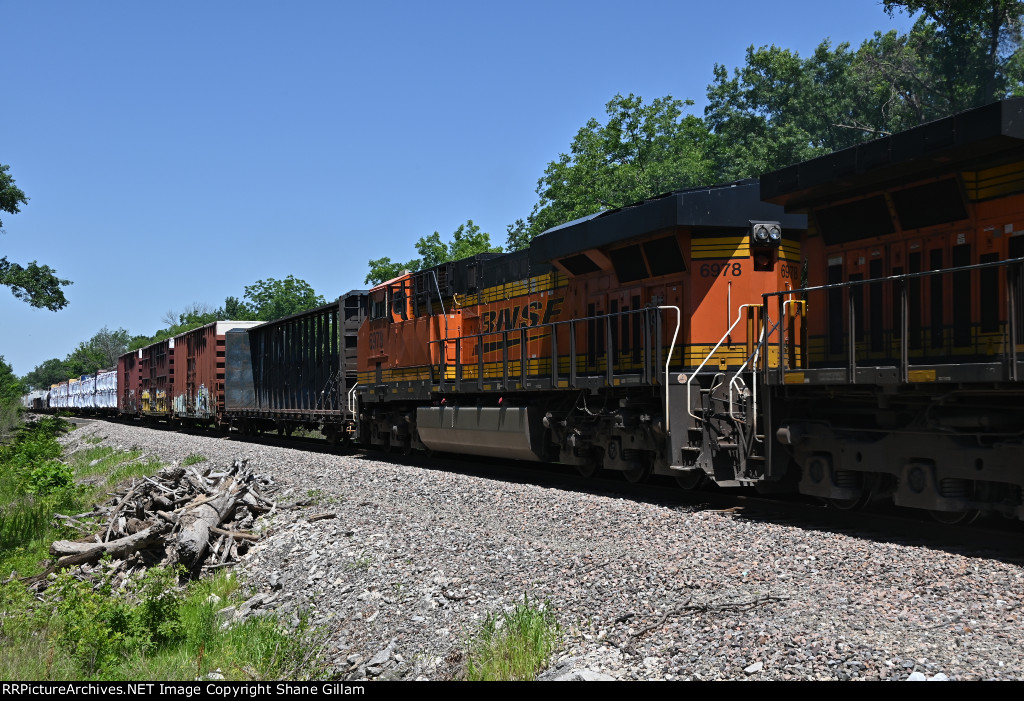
x,y
521,316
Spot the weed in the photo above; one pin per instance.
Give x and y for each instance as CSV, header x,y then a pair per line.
x,y
362,561
513,645
192,459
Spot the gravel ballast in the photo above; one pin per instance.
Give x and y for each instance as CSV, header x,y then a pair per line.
x,y
414,559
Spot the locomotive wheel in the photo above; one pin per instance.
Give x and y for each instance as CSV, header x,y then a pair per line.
x,y
691,480
956,518
640,473
590,468
867,484
850,504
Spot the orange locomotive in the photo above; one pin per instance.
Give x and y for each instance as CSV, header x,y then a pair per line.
x,y
910,390
625,340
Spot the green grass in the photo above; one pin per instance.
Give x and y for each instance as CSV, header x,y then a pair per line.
x,y
153,630
513,645
193,459
148,628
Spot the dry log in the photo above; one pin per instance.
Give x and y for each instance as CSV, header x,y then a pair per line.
x,y
117,509
169,517
72,553
196,522
241,535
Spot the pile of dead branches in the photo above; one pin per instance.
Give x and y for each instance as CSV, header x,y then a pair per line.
x,y
199,516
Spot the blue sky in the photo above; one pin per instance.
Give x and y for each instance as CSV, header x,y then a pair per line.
x,y
177,152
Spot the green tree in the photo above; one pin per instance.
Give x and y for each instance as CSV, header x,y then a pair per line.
x,y
779,109
47,373
970,49
10,386
272,299
642,150
466,241
235,310
382,269
36,284
98,353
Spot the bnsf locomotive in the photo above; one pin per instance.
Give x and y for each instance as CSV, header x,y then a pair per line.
x,y
848,328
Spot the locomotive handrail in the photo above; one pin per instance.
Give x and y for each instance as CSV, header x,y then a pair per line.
x,y
752,361
352,401
1011,332
689,380
895,278
525,333
671,349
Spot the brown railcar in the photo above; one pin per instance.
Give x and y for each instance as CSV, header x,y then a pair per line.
x,y
129,384
157,379
198,392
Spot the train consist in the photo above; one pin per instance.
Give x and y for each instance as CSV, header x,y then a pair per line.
x,y
847,328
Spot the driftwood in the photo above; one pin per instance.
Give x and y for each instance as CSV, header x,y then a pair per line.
x,y
238,535
198,515
196,522
73,553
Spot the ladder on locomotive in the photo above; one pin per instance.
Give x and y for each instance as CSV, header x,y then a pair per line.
x,y
728,408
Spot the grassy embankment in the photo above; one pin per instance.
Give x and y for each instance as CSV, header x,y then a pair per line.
x,y
151,626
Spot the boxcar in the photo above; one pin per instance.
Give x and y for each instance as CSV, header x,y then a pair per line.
x,y
200,359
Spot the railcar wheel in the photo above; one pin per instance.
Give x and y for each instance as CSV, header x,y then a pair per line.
x,y
691,480
956,518
387,447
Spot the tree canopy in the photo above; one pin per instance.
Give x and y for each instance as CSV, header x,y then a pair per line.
x,y
968,50
642,150
10,386
780,108
36,284
272,299
467,240
47,373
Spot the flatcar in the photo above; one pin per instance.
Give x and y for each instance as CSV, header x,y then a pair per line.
x,y
94,393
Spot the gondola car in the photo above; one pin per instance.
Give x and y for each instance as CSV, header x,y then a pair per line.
x,y
297,372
